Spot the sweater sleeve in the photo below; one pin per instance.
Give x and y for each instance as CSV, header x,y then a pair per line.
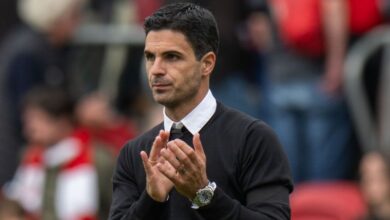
x,y
127,201
264,178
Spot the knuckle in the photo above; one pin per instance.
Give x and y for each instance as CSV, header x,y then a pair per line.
x,y
186,160
191,154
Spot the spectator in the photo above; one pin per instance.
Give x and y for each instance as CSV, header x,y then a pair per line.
x,y
33,54
95,113
304,87
58,177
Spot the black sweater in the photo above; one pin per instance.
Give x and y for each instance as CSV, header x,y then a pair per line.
x,y
244,159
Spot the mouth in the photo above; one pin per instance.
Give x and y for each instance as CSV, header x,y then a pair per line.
x,y
161,86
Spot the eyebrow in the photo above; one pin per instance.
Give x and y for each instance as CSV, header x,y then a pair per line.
x,y
165,52
172,52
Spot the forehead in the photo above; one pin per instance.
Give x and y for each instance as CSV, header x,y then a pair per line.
x,y
167,40
35,110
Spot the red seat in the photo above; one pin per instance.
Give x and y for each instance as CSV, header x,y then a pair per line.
x,y
327,201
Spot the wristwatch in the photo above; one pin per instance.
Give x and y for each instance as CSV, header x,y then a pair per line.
x,y
203,196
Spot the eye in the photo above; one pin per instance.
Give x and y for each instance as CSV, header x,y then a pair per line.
x,y
149,57
172,57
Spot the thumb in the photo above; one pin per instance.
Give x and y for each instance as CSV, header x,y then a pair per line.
x,y
146,163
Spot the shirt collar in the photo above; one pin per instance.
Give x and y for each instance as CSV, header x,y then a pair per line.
x,y
198,117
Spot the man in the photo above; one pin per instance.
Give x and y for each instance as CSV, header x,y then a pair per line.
x,y
245,176
303,86
31,55
58,177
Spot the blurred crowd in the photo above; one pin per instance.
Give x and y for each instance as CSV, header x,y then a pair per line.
x,y
67,108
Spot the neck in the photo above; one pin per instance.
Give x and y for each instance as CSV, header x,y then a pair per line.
x,y
178,112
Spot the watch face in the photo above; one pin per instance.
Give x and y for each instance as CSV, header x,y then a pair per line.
x,y
205,196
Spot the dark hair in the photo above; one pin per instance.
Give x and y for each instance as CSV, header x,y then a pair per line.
x,y
54,101
196,23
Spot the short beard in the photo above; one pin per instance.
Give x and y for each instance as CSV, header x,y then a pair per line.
x,y
175,103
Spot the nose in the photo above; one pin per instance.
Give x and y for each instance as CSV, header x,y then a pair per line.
x,y
157,67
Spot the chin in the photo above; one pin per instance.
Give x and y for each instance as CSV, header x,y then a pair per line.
x,y
160,98
165,102
37,142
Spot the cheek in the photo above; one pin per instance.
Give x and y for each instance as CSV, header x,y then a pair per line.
x,y
149,76
188,72
194,78
39,131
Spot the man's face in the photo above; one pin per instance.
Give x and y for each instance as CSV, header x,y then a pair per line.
x,y
174,73
64,28
40,128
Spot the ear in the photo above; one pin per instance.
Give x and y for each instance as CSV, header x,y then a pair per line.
x,y
208,63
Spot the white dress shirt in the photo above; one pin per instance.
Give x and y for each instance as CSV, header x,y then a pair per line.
x,y
198,117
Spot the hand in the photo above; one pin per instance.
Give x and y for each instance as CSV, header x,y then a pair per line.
x,y
332,82
158,185
184,166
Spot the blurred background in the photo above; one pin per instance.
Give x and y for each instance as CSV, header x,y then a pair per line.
x,y
73,92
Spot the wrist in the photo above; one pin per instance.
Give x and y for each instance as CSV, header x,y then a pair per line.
x,y
158,198
204,196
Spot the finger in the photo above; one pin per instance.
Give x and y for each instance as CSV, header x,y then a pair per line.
x,y
184,153
198,147
168,155
164,136
154,152
169,171
175,149
183,146
158,144
146,163
189,151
